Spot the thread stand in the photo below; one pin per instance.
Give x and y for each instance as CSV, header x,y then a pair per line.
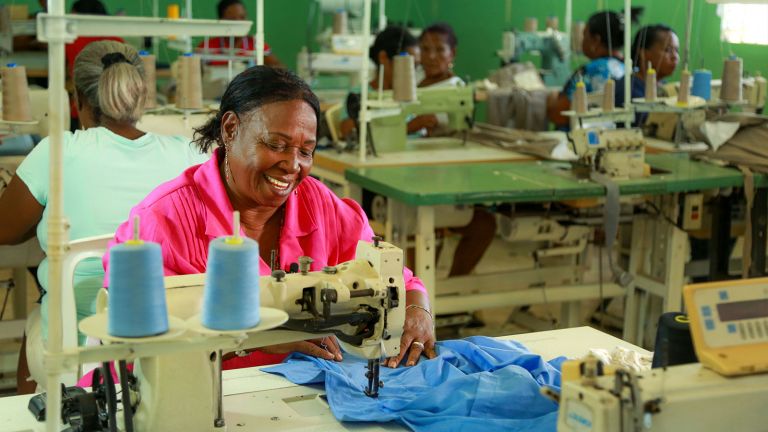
x,y
661,106
19,127
618,115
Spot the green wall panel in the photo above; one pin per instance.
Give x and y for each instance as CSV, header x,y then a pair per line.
x,y
478,24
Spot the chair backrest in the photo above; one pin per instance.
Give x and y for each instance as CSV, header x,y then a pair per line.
x,y
79,250
333,119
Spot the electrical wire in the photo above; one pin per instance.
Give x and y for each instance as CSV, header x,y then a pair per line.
x,y
660,214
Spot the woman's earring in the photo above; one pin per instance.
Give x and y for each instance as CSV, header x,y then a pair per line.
x,y
227,171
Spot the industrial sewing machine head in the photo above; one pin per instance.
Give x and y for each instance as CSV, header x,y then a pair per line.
x,y
727,390
388,119
553,47
361,302
618,153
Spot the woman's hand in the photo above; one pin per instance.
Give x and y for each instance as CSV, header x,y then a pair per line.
x,y
418,333
325,348
424,121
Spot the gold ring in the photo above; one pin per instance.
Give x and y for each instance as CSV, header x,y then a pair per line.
x,y
420,345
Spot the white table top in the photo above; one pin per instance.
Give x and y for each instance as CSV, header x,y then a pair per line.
x,y
263,402
420,152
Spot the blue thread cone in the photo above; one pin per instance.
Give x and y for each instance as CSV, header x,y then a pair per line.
x,y
702,84
231,298
137,305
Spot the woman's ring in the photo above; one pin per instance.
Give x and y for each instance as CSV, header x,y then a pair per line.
x,y
420,345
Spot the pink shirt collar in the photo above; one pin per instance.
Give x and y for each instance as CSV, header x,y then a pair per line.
x,y
218,210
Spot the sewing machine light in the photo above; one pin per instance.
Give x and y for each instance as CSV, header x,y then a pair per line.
x,y
729,325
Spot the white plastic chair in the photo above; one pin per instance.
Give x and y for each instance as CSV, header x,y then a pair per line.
x,y
79,250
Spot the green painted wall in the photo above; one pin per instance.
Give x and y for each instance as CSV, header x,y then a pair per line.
x,y
478,24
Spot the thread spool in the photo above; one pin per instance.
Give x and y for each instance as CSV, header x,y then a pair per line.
x,y
730,90
702,84
150,78
404,78
685,88
674,344
231,297
580,98
609,95
172,11
137,306
16,105
340,22
531,25
189,86
650,84
553,23
577,36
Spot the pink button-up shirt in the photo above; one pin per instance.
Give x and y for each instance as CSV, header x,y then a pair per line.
x,y
186,213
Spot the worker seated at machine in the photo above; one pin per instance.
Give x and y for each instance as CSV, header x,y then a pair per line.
x,y
437,45
438,51
110,162
389,42
602,45
265,135
655,46
216,71
244,46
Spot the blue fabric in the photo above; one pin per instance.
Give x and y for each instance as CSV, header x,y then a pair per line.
x,y
478,383
595,74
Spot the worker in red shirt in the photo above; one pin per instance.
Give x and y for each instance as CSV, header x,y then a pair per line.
x,y
245,45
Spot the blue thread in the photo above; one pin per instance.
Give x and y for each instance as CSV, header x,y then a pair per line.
x,y
137,305
702,84
231,298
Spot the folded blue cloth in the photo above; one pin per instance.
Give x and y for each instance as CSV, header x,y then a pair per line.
x,y
478,383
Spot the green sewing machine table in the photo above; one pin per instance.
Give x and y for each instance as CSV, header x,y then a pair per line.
x,y
423,187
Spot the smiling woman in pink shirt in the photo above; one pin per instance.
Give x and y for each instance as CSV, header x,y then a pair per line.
x,y
265,135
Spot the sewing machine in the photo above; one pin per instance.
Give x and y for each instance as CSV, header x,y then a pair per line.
x,y
361,302
619,153
553,47
388,119
728,390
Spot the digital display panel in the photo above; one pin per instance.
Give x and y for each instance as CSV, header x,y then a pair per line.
x,y
741,310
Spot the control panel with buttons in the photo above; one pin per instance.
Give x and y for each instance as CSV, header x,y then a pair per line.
x,y
729,324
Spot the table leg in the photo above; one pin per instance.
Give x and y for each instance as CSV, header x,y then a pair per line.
x,y
633,291
571,314
719,250
675,271
425,250
759,225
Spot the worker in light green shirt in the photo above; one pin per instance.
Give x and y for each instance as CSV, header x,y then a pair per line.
x,y
108,168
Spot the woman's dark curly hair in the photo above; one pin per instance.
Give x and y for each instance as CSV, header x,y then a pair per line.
x,y
252,89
